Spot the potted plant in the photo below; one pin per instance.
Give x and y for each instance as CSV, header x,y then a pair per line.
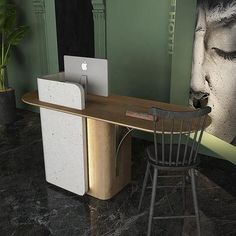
x,y
10,35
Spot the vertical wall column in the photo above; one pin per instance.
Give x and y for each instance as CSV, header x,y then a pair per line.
x,y
51,37
182,55
45,20
99,17
39,12
37,53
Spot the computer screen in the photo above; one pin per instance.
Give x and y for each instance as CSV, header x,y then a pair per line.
x,y
94,69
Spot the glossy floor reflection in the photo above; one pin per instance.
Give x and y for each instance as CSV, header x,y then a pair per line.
x,y
30,206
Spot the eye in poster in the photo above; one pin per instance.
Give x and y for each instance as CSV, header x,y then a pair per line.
x,y
213,81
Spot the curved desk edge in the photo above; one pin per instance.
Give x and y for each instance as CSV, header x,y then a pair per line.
x,y
31,98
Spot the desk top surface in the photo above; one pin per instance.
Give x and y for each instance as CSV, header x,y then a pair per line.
x,y
110,109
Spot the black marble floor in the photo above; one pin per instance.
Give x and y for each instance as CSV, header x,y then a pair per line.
x,y
31,207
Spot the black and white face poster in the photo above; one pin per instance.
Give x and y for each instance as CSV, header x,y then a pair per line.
x,y
213,80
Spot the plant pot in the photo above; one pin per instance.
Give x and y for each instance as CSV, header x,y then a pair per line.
x,y
7,106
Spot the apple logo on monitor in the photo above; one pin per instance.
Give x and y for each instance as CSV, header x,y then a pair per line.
x,y
84,65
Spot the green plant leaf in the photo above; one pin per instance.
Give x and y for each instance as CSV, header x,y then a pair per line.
x,y
6,59
17,35
10,35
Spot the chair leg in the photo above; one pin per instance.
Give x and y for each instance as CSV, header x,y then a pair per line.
x,y
193,183
154,186
184,192
144,186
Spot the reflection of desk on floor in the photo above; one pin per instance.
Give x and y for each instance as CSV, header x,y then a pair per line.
x,y
103,115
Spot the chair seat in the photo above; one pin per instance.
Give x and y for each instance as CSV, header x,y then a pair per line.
x,y
172,163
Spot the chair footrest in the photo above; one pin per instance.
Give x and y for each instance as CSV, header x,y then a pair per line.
x,y
170,176
172,217
167,186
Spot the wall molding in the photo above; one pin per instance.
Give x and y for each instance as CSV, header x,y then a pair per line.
x,y
39,6
99,17
39,13
45,22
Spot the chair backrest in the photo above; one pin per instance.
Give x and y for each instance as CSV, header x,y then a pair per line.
x,y
184,130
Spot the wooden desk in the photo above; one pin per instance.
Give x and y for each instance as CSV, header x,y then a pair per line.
x,y
103,115
110,109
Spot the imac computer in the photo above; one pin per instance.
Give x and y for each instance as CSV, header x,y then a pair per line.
x,y
92,73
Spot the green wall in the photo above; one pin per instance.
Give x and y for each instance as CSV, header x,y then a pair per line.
x,y
137,39
137,48
136,36
182,57
37,54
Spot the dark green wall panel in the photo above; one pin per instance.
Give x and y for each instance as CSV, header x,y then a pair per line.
x,y
182,57
137,48
37,54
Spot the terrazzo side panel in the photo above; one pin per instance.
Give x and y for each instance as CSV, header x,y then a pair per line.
x,y
64,136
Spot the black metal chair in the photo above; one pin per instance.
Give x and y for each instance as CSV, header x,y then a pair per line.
x,y
177,136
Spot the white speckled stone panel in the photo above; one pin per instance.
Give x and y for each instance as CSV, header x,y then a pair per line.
x,y
64,136
61,93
